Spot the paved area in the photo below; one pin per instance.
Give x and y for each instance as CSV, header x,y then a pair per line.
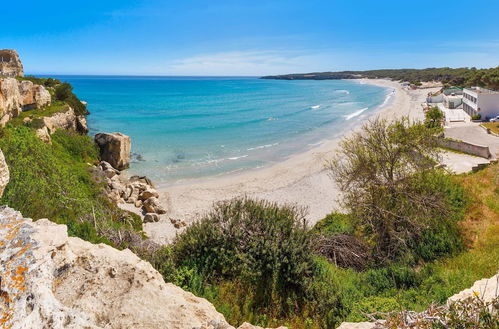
x,y
473,133
460,163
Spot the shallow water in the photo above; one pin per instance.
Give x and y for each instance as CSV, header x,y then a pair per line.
x,y
185,127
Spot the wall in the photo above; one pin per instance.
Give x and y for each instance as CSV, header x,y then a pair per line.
x,y
465,147
488,105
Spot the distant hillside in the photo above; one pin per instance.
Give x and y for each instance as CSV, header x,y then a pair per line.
x,y
458,77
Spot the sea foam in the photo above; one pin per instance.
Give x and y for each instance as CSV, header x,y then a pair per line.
x,y
356,113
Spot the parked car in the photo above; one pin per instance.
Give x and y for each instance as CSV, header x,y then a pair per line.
x,y
495,119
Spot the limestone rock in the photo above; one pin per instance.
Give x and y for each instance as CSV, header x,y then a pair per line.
x,y
115,149
4,173
10,63
50,280
148,193
17,96
152,205
10,100
486,289
151,217
42,96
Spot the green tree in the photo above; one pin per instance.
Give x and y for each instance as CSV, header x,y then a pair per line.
x,y
434,118
386,174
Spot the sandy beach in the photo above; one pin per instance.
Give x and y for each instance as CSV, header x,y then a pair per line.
x,y
301,179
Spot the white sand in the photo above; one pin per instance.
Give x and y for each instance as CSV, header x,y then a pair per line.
x,y
301,179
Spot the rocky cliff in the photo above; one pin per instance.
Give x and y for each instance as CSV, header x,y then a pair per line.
x,y
50,280
17,96
10,63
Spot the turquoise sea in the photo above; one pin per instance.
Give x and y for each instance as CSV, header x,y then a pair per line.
x,y
185,127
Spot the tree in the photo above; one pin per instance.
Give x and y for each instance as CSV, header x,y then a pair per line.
x,y
63,91
434,118
386,174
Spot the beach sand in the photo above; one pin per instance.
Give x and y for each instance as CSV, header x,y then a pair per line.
x,y
301,179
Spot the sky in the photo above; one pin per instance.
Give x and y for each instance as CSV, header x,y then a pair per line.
x,y
248,38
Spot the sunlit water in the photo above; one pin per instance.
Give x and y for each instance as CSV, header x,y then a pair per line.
x,y
185,127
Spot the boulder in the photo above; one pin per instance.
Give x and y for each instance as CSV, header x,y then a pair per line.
x,y
148,193
50,280
152,205
41,96
4,173
10,63
10,100
151,218
115,149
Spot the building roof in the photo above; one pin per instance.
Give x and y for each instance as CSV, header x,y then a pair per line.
x,y
480,90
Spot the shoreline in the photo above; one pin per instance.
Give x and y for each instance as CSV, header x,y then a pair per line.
x,y
300,179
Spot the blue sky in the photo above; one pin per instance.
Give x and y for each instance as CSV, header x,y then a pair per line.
x,y
255,37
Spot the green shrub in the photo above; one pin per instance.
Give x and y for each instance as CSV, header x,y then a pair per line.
x,y
64,92
476,116
52,181
372,305
334,223
257,241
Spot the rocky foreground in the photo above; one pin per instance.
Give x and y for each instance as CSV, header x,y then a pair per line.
x,y
50,280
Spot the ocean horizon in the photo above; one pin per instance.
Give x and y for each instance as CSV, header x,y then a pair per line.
x,y
186,127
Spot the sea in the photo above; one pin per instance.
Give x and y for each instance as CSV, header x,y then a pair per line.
x,y
193,127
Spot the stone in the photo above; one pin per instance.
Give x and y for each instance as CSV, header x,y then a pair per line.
x,y
141,179
42,96
148,193
4,173
65,282
138,203
152,205
10,100
151,218
10,63
115,149
44,134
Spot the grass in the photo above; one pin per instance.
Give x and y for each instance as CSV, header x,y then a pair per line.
x,y
55,181
53,108
493,126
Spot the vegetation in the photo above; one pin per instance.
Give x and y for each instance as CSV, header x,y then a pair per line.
x,y
412,235
55,181
493,126
461,77
62,92
434,118
399,204
476,116
472,313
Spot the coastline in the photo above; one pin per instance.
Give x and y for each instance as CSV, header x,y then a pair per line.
x,y
300,179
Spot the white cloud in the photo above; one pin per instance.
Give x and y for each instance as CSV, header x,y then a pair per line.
x,y
248,63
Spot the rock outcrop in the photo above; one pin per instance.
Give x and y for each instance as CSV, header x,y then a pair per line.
x,y
136,190
115,149
17,96
486,289
10,63
50,280
4,174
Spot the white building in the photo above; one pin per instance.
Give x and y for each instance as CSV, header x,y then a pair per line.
x,y
477,100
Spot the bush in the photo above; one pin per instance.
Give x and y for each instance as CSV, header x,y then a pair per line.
x,y
258,242
52,181
64,92
476,116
